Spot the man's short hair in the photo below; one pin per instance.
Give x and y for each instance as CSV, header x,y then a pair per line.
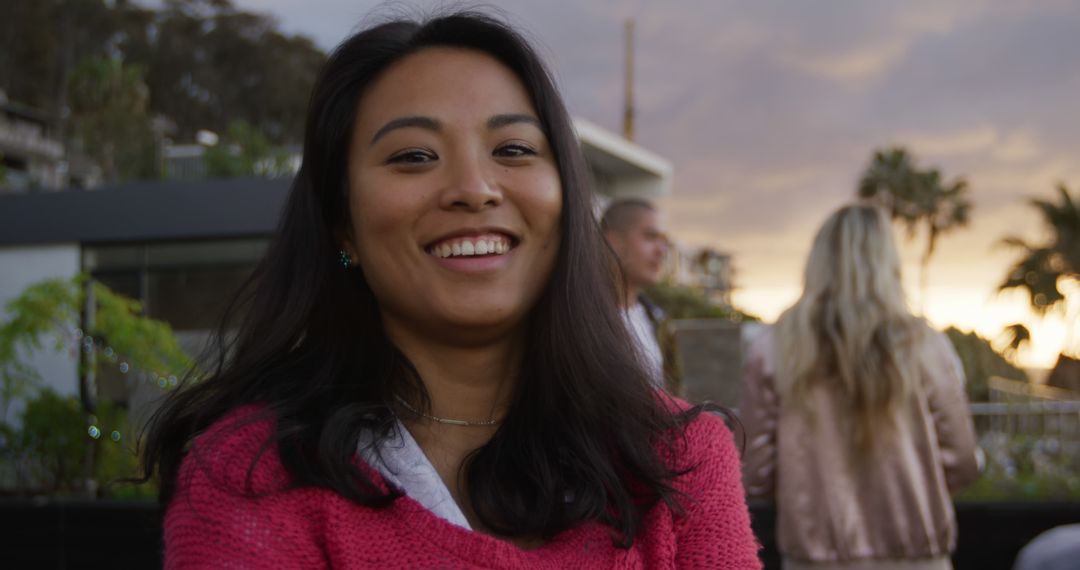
x,y
621,215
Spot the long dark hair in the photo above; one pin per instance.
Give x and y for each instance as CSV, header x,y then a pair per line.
x,y
585,433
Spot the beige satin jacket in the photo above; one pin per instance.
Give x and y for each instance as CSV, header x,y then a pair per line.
x,y
896,505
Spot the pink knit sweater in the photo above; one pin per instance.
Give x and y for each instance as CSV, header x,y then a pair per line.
x,y
215,522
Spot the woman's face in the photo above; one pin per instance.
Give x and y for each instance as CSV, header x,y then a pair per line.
x,y
454,195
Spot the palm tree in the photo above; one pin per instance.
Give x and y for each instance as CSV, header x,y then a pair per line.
x,y
1016,336
916,198
1045,268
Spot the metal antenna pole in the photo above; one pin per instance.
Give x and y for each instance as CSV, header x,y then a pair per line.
x,y
628,104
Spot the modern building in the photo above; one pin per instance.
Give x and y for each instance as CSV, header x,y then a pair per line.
x,y
621,168
31,156
184,161
181,247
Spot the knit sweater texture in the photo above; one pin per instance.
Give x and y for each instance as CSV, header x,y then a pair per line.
x,y
226,514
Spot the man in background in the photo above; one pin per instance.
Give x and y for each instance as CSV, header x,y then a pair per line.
x,y
632,229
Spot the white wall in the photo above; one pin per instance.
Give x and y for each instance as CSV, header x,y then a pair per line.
x,y
22,266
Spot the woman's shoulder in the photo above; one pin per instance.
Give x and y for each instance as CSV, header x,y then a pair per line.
x,y
939,358
705,439
937,342
237,453
235,505
712,526
709,437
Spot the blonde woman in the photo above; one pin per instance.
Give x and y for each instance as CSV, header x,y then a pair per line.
x,y
855,413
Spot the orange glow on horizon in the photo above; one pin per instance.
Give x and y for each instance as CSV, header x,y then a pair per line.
x,y
983,312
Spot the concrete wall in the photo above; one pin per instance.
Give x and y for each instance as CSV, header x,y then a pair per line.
x,y
711,354
710,359
25,265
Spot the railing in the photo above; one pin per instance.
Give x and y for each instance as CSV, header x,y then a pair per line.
x,y
1030,436
1004,388
1028,409
1035,418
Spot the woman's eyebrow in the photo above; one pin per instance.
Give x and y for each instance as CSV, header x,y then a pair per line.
x,y
498,121
406,122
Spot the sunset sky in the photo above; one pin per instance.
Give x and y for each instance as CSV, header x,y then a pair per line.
x,y
770,110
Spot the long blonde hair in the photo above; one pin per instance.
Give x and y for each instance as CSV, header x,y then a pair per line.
x,y
851,330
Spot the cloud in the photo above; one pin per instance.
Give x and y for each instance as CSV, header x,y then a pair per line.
x,y
855,44
948,143
1011,182
859,64
1018,147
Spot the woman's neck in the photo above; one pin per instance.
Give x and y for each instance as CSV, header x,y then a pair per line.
x,y
630,299
471,383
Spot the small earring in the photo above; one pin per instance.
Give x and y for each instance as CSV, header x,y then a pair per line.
x,y
344,259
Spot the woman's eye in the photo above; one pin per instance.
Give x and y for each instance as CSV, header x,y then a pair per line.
x,y
412,157
514,151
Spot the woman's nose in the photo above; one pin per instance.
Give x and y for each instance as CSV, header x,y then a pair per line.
x,y
471,187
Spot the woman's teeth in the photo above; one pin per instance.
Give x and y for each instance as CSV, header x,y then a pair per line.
x,y
492,244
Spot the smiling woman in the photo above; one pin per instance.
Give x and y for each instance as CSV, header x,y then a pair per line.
x,y
449,154
431,369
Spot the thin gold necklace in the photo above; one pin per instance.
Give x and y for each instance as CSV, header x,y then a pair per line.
x,y
448,421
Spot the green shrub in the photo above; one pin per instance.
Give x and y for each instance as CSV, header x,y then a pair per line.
x,y
681,302
980,362
47,451
1025,468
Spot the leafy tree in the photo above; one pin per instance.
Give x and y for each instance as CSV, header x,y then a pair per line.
x,y
43,40
47,450
917,198
205,63
209,63
980,362
110,119
679,302
245,151
49,447
52,312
